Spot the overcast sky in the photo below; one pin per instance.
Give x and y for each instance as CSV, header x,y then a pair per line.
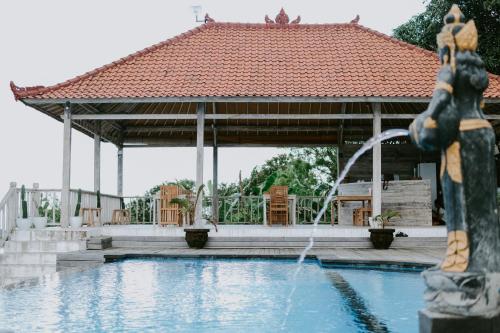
x,y
46,42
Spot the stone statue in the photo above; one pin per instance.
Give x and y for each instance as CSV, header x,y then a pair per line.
x,y
467,281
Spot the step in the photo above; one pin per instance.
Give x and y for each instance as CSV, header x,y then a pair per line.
x,y
274,242
28,259
14,246
48,235
98,243
23,271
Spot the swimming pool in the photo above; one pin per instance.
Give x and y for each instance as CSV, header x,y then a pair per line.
x,y
215,295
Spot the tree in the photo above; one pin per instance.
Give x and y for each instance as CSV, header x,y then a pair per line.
x,y
421,29
323,161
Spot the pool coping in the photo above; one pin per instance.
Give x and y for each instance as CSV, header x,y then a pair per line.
x,y
84,260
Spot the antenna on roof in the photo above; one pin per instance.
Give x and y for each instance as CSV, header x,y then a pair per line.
x,y
196,11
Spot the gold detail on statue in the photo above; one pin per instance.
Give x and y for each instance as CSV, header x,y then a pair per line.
x,y
453,162
456,12
466,38
430,123
414,131
473,124
445,86
457,253
445,38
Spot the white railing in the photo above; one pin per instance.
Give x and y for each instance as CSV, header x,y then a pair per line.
x,y
308,208
143,209
251,210
37,197
8,213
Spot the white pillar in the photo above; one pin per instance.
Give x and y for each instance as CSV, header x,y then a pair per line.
x,y
66,170
119,180
200,123
377,162
13,207
215,181
97,162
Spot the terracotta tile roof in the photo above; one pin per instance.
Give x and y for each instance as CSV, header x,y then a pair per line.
x,y
242,60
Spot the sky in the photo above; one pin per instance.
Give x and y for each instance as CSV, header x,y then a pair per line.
x,y
47,42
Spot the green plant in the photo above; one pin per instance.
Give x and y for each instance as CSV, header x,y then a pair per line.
x,y
78,203
24,203
187,205
98,194
42,206
386,216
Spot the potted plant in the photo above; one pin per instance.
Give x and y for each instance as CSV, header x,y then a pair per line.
x,y
40,221
98,195
76,221
380,236
196,235
23,222
186,207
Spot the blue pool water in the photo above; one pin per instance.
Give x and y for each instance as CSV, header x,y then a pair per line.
x,y
215,295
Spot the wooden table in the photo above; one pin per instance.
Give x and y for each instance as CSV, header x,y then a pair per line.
x,y
90,216
349,198
120,216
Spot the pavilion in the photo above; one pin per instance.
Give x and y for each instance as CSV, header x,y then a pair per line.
x,y
280,83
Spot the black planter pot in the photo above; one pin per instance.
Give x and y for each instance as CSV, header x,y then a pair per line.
x,y
381,238
196,238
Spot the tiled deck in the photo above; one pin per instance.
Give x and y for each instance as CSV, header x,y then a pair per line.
x,y
417,256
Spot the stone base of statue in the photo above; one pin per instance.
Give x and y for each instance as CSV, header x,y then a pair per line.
x,y
433,322
455,301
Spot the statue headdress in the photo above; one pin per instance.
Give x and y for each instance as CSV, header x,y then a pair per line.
x,y
455,34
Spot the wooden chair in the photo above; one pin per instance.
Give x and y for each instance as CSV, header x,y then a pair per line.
x,y
278,205
360,216
170,213
120,216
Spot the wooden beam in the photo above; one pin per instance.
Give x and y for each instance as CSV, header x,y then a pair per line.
x,y
94,110
249,99
325,116
160,129
249,116
81,127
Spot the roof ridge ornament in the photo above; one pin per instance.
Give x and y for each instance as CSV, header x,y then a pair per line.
x,y
208,18
282,19
21,92
355,20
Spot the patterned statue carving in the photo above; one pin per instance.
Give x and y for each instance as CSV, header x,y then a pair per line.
x,y
467,280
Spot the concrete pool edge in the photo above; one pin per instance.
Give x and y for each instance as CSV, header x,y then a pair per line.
x,y
71,262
